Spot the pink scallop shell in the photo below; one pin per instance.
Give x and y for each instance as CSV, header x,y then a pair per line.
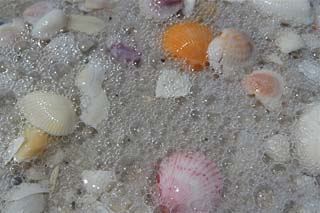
x,y
189,180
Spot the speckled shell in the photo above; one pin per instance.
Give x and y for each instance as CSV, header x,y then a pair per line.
x,y
49,112
231,48
188,41
188,179
267,86
296,11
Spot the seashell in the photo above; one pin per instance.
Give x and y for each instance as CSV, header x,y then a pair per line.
x,y
86,24
32,204
289,41
308,139
10,31
230,49
24,190
94,102
278,148
311,40
96,4
35,143
188,7
172,84
299,13
267,86
49,112
125,54
95,181
189,180
49,25
188,41
13,148
311,70
34,12
160,9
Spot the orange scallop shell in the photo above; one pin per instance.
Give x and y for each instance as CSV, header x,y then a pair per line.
x,y
188,41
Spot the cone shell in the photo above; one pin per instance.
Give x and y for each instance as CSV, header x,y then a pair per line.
x,y
267,86
49,112
231,48
36,142
189,42
188,179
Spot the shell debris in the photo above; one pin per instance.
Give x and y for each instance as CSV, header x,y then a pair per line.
x,y
86,24
290,41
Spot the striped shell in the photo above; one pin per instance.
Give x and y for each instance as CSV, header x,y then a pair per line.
x,y
267,86
296,11
189,181
231,48
49,112
188,41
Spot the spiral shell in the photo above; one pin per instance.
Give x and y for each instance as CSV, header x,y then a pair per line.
x,y
231,48
49,112
189,181
188,41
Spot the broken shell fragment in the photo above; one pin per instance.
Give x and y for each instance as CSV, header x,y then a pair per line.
x,y
35,143
49,25
10,31
289,41
267,86
34,12
52,113
85,24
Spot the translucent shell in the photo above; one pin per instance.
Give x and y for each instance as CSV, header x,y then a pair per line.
x,y
49,112
160,9
231,48
189,181
36,142
188,41
300,12
267,86
36,11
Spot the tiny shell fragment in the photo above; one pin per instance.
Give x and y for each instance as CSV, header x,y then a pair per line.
x,y
172,84
86,24
289,41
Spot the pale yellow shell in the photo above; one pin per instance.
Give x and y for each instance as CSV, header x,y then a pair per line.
x,y
49,112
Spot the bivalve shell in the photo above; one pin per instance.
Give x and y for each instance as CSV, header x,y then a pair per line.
x,y
49,112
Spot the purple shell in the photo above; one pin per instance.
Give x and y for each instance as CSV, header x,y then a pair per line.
x,y
124,53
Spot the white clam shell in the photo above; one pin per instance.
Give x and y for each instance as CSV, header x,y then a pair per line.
x,y
308,135
85,24
94,102
289,41
49,25
173,84
188,7
297,11
49,112
34,12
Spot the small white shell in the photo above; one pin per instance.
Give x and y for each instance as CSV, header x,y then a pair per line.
x,y
188,7
94,102
278,148
231,48
95,181
311,70
289,41
308,135
298,11
85,24
173,84
311,40
49,25
13,149
34,12
96,4
49,112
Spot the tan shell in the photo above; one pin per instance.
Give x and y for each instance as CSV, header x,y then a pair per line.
x,y
231,48
49,112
